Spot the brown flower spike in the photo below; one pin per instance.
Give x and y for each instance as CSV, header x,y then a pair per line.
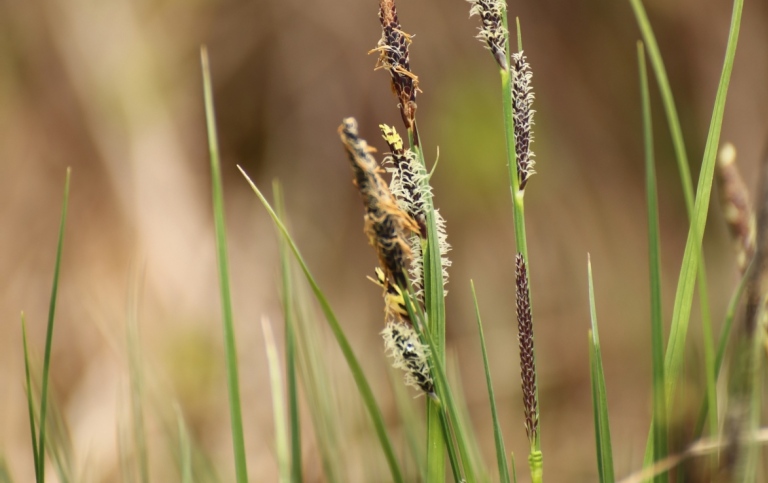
x,y
522,100
393,56
525,340
386,225
492,32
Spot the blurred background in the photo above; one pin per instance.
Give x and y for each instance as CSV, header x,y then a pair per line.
x,y
113,89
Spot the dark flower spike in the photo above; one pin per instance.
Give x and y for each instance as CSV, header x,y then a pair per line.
x,y
492,32
410,355
734,199
522,100
386,225
525,340
394,57
410,187
406,178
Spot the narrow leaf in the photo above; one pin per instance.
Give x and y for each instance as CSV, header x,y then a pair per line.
x,y
599,394
233,383
501,452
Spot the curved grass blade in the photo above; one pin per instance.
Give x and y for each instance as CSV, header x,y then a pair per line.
x,y
49,333
290,346
690,266
357,372
599,393
501,458
233,383
654,268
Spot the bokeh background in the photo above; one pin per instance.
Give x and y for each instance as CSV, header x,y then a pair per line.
x,y
113,89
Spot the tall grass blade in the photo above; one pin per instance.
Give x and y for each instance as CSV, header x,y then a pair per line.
x,y
654,269
233,383
357,373
49,333
501,452
30,400
684,296
290,345
599,393
278,402
434,302
413,426
678,143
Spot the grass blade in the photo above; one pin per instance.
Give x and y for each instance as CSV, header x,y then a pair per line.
x,y
30,400
599,393
233,384
357,373
684,296
49,332
278,404
654,269
675,129
501,452
290,346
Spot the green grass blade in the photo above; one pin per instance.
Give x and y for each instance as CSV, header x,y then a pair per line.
x,y
49,332
599,392
670,110
501,452
654,269
278,403
684,296
357,373
30,400
412,424
514,469
233,384
434,301
290,346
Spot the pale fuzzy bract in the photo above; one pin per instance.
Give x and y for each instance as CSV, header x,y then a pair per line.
x,y
411,356
410,187
522,100
492,32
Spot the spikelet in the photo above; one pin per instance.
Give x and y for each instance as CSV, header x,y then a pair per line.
x,y
394,57
522,100
492,32
410,355
386,225
410,187
525,340
734,199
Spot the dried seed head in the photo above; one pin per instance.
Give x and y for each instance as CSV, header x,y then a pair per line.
x,y
734,199
522,100
492,32
385,224
394,302
410,356
525,340
410,187
394,57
